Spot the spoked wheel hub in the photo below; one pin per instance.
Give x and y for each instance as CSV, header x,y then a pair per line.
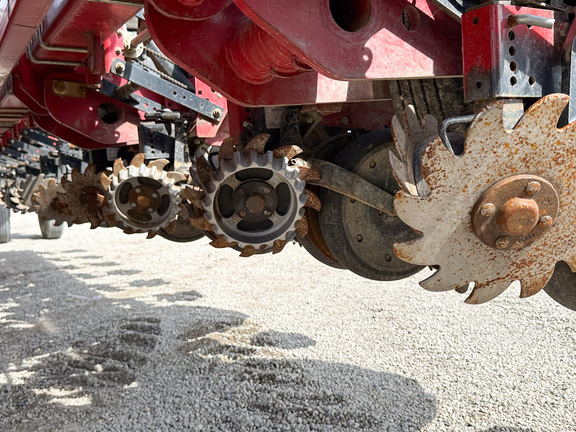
x,y
254,200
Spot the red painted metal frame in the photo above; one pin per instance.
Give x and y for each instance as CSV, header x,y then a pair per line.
x,y
383,48
18,22
205,128
200,48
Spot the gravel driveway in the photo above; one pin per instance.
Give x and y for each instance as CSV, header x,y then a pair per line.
x,y
101,331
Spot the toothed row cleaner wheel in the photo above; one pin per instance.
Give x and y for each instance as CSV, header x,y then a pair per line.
x,y
254,199
144,197
504,210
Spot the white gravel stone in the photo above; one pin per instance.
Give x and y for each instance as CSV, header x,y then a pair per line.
x,y
103,331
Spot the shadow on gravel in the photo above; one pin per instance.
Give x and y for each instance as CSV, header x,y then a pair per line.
x,y
507,429
71,359
282,340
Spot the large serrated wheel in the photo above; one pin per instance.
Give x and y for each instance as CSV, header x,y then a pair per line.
x,y
4,224
360,237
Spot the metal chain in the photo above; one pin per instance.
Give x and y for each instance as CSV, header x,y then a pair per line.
x,y
162,74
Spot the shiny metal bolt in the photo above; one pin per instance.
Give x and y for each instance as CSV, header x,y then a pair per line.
x,y
267,212
502,242
359,237
533,188
266,190
118,51
545,222
488,209
243,214
120,68
150,210
133,204
137,190
154,195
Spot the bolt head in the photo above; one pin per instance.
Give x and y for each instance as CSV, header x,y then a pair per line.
x,y
359,237
502,242
533,188
133,204
266,190
243,214
137,190
267,212
545,222
488,209
118,51
154,195
120,68
372,164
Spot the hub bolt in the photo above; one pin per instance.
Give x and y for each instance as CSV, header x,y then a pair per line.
x,y
488,209
546,222
502,242
267,212
533,188
266,190
243,214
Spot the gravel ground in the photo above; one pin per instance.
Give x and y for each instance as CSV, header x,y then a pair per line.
x,y
101,331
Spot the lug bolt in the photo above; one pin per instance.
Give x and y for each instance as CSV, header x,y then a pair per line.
x,y
150,210
545,222
154,195
266,190
243,214
133,204
267,212
488,209
137,190
120,68
533,188
502,242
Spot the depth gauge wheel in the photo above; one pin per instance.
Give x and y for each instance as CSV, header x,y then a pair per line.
x,y
4,224
358,236
49,230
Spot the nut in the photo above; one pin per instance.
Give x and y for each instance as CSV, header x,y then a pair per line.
x,y
488,209
502,242
533,188
545,222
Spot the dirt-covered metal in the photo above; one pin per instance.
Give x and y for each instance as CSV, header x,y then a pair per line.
x,y
535,147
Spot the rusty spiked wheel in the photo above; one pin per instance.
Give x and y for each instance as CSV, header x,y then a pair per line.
x,y
502,211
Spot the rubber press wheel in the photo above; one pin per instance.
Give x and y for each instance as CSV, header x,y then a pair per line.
x,y
49,230
360,237
4,224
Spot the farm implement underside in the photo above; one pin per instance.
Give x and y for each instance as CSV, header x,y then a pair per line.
x,y
382,136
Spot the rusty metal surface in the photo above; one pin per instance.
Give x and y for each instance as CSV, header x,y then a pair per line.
x,y
84,199
409,146
491,153
515,212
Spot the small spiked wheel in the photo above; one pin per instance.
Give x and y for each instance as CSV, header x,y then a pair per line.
x,y
254,200
144,198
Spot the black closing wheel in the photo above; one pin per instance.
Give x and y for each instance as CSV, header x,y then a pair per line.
x,y
4,224
562,286
358,236
49,230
